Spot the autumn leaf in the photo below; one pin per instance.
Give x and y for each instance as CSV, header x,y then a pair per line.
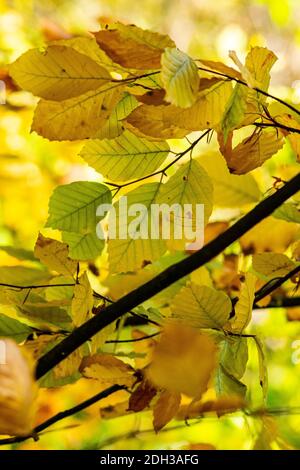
x,y
107,370
133,47
55,255
58,73
180,78
165,409
272,264
17,390
174,359
83,301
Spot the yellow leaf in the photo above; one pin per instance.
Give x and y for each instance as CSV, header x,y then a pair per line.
x,y
68,366
125,157
129,252
76,118
229,190
272,264
252,152
108,370
17,390
165,409
82,302
243,307
55,255
264,236
189,185
58,73
201,306
133,47
180,78
259,62
183,361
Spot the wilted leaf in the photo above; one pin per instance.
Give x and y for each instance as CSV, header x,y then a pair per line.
x,y
142,396
133,47
165,409
252,152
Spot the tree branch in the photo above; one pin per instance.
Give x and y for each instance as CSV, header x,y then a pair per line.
x,y
63,414
172,274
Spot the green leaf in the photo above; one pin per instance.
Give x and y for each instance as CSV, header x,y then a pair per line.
x,y
23,276
235,110
126,157
289,212
227,384
11,328
72,207
262,365
19,253
129,254
201,307
180,77
86,246
234,355
189,185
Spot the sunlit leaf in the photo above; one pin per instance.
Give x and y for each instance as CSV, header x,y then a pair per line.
x,y
54,255
201,306
125,157
72,207
57,73
180,78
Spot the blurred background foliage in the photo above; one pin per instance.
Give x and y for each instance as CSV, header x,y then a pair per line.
x,y
31,167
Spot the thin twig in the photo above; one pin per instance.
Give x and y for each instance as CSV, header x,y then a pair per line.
x,y
63,414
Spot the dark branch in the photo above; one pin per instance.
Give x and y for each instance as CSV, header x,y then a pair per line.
x,y
172,274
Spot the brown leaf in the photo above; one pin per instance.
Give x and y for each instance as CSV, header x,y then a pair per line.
x,y
142,396
133,47
165,409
